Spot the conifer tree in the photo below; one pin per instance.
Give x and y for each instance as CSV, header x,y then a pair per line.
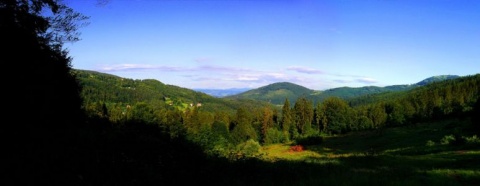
x,y
303,114
287,119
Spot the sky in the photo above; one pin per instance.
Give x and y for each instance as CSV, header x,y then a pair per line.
x,y
319,44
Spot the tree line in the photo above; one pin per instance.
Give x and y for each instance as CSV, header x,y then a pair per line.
x,y
223,132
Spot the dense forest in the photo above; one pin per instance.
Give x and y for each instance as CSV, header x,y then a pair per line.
x,y
68,126
145,100
277,92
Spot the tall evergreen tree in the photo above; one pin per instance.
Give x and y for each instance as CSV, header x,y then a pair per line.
x,y
243,129
287,119
316,123
267,121
303,114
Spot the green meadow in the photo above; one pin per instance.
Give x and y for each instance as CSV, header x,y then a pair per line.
x,y
416,155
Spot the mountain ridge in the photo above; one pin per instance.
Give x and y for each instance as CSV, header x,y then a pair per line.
x,y
99,87
276,93
232,92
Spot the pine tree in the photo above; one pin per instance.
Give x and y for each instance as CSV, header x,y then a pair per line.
x,y
303,114
287,120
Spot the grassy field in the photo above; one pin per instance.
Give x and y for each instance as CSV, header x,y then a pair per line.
x,y
414,155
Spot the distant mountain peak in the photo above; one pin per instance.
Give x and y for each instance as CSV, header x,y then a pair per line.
x,y
275,93
436,79
283,85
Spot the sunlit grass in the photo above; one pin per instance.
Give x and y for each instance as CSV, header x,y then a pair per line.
x,y
277,152
283,152
396,156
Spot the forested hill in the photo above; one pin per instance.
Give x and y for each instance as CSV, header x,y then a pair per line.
x,y
100,88
448,82
353,92
276,93
434,79
107,88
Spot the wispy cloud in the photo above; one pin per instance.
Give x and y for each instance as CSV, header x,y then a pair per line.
x,y
203,59
222,69
199,78
209,73
362,80
305,70
263,77
234,79
354,79
341,81
366,80
231,76
136,67
347,75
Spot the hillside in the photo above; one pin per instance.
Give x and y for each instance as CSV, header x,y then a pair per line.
x,y
389,95
349,92
434,79
103,87
277,92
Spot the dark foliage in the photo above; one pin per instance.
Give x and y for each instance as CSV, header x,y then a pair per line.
x,y
309,140
476,116
44,108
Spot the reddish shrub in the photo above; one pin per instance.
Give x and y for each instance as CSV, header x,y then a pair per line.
x,y
296,148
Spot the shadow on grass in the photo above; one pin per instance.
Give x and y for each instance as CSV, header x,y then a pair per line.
x,y
139,154
364,170
399,156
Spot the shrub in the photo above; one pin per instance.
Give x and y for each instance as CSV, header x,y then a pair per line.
x,y
430,143
296,148
222,147
453,140
448,139
273,136
472,140
250,148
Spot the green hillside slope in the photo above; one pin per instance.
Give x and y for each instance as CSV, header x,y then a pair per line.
x,y
103,87
275,93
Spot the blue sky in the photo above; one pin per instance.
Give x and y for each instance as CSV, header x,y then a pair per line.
x,y
319,44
